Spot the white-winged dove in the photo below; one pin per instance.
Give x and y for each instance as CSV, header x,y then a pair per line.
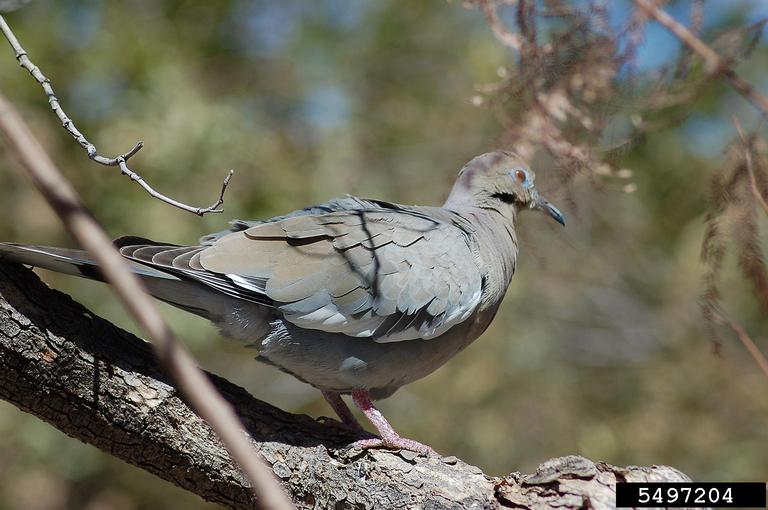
x,y
353,296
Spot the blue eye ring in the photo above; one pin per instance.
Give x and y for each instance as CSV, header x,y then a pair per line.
x,y
522,176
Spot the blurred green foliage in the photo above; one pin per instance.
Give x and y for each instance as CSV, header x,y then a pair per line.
x,y
599,348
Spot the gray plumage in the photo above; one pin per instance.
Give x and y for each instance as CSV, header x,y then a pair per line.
x,y
351,295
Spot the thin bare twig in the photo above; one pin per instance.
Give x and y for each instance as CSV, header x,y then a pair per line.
x,y
750,167
120,161
191,382
720,316
715,64
504,36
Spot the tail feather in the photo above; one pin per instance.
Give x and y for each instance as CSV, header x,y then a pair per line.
x,y
66,261
239,319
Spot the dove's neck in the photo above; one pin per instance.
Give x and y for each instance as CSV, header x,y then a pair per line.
x,y
494,244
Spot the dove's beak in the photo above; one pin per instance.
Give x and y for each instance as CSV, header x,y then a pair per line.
x,y
542,204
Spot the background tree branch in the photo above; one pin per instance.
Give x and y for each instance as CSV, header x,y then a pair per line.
x,y
715,64
121,160
101,385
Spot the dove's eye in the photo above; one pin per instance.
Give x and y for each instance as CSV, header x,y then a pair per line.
x,y
521,176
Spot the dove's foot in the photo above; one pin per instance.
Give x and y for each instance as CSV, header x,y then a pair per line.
x,y
389,438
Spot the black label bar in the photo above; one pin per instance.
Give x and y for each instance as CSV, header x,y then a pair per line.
x,y
693,494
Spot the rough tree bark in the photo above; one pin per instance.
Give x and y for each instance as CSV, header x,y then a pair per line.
x,y
100,384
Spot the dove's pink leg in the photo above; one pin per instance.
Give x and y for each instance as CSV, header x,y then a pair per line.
x,y
389,438
340,408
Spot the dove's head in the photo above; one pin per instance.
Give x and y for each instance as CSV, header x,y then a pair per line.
x,y
500,181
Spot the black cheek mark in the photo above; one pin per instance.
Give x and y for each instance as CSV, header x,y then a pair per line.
x,y
507,198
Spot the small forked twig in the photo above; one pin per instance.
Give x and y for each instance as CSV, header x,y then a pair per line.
x,y
120,161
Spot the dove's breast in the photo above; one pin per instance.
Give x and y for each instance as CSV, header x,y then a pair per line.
x,y
337,362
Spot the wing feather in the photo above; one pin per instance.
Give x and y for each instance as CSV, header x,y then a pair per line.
x,y
389,275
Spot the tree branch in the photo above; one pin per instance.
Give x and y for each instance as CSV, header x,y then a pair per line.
x,y
120,161
173,356
101,385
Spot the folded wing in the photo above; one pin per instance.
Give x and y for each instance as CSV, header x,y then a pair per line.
x,y
389,275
